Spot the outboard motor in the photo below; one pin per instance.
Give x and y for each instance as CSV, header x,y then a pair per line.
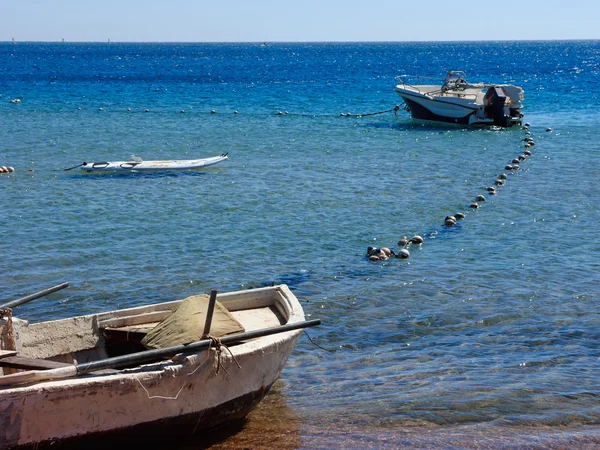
x,y
494,101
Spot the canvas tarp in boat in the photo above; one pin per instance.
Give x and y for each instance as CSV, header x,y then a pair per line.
x,y
186,324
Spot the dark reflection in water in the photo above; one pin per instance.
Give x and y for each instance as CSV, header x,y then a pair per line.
x,y
272,425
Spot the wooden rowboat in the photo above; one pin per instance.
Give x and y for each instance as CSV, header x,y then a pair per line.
x,y
137,164
90,376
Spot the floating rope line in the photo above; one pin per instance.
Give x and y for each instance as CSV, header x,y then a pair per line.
x,y
384,253
395,109
317,345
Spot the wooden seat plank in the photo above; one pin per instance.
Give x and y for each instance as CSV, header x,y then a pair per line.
x,y
7,353
23,362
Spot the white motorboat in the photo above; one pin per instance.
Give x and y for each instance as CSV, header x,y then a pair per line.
x,y
146,370
137,164
456,101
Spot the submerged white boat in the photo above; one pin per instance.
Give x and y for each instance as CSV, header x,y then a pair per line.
x,y
137,164
457,101
126,372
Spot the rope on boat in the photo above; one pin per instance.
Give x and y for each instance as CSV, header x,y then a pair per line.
x,y
75,167
150,397
218,348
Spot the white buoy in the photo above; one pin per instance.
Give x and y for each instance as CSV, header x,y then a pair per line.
x,y
212,111
403,254
548,129
417,239
459,215
450,221
480,198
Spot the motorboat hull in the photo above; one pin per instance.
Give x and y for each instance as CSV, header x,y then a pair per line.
x,y
460,103
423,109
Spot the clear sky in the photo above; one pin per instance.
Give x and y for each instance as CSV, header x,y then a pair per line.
x,y
300,21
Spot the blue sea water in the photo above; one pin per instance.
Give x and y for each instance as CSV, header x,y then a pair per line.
x,y
490,329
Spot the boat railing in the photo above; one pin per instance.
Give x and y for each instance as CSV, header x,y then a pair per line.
x,y
413,81
457,94
448,88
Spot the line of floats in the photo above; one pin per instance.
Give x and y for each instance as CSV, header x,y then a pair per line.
x,y
8,169
385,253
395,110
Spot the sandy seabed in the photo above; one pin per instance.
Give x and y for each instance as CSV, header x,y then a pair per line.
x,y
273,425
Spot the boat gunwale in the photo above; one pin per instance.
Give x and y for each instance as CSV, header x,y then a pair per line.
x,y
278,296
475,107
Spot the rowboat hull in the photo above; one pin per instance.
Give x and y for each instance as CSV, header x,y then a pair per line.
x,y
194,391
152,166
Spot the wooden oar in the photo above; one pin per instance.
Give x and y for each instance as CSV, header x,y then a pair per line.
x,y
147,355
28,298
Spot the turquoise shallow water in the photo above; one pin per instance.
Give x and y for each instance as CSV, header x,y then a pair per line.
x,y
492,322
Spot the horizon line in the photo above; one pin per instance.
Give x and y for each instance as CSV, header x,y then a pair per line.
x,y
109,41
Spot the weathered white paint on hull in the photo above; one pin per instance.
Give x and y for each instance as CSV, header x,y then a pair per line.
x,y
67,408
112,401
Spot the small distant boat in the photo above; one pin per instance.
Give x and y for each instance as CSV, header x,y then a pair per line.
x,y
457,101
150,370
137,164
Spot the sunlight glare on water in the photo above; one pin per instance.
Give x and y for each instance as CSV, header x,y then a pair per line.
x,y
492,321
